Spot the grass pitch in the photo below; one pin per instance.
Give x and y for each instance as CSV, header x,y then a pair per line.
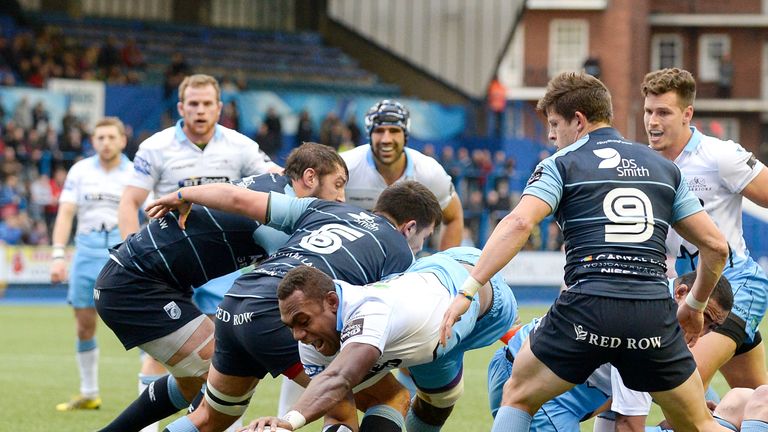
x,y
37,371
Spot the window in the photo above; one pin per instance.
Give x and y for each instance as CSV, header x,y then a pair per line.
x,y
726,128
666,51
568,45
711,50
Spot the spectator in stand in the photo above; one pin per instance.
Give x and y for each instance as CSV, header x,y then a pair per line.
x,y
304,130
11,231
497,104
108,57
38,236
327,129
274,138
40,196
40,117
355,136
474,212
22,114
10,165
131,54
230,118
11,195
57,184
175,73
429,150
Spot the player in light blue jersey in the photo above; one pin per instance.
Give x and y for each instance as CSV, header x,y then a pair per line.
x,y
719,173
351,335
614,201
92,192
566,411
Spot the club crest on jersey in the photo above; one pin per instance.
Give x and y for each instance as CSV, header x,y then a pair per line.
x,y
352,328
536,175
173,310
365,220
624,167
698,184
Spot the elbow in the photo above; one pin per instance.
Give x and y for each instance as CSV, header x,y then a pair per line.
x,y
518,223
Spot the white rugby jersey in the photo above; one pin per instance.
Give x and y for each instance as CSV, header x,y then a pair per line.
x,y
401,322
366,184
717,171
96,193
168,160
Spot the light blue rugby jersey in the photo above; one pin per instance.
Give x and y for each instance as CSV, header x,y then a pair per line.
x,y
614,201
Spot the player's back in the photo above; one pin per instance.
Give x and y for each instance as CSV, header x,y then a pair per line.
x,y
213,244
341,240
617,204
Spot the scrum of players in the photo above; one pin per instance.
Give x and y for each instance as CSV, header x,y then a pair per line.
x,y
336,298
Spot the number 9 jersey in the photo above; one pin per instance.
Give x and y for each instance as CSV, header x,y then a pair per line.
x,y
616,200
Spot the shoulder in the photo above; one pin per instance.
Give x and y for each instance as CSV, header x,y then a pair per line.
x,y
420,160
159,140
355,156
233,136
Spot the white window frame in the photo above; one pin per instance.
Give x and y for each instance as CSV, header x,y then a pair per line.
x,y
710,54
568,56
660,39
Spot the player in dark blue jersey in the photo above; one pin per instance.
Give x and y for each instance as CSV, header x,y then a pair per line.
x,y
614,201
342,240
144,292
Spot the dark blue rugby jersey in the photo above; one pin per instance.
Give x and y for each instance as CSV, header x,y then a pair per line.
x,y
214,243
340,239
614,201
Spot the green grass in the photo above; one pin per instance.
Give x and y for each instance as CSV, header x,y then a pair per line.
x,y
37,371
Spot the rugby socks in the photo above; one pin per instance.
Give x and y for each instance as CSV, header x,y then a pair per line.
x,y
183,424
605,422
511,419
414,424
88,364
144,382
289,394
711,395
407,382
754,426
161,399
382,418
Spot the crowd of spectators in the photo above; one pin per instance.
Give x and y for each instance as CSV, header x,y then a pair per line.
x,y
32,57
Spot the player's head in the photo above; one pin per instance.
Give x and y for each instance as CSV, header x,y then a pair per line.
x,y
199,106
719,304
572,100
668,108
412,208
388,124
308,305
109,138
317,170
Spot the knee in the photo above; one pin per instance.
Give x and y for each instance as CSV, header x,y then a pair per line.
x,y
757,405
429,413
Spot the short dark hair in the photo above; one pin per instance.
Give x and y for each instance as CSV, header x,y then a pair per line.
x,y
312,282
722,294
666,80
576,91
410,200
322,158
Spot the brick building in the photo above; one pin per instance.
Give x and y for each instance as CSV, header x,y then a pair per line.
x,y
724,44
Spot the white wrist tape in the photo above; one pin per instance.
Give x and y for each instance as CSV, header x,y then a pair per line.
x,y
295,419
58,252
691,301
470,286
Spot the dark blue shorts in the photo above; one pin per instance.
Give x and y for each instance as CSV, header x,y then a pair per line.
x,y
641,338
250,338
140,309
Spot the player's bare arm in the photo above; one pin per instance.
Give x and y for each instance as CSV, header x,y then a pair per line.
x,y
700,230
330,387
220,196
453,224
128,210
757,189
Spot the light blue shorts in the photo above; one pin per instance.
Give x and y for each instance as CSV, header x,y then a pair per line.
x,y
91,253
470,332
750,298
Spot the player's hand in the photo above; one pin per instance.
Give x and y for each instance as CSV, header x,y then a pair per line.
x,y
58,271
167,203
692,321
266,424
458,307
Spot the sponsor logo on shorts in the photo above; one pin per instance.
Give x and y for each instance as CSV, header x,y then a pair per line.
x,y
173,310
352,328
652,342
